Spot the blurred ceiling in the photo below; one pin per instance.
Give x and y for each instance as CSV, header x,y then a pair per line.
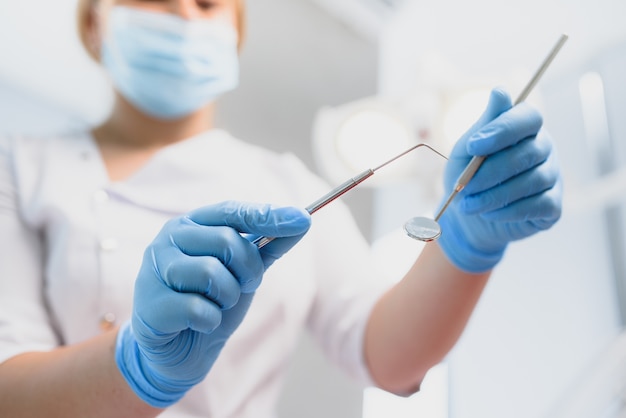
x,y
366,17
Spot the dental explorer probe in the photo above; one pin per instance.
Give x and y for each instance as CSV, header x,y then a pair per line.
x,y
346,186
476,161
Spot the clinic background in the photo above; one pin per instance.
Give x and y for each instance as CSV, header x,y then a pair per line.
x,y
547,327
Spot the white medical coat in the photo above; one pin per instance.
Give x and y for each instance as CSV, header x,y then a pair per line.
x,y
72,243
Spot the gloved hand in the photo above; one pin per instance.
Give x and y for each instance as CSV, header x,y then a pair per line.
x,y
515,193
193,289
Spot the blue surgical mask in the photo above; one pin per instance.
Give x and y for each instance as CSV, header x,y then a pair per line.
x,y
166,66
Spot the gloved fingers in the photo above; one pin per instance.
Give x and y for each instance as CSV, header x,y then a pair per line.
x,y
206,276
542,209
236,253
511,162
275,249
171,313
530,183
512,126
231,318
257,219
499,102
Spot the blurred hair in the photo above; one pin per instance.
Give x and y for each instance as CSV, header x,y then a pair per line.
x,y
84,14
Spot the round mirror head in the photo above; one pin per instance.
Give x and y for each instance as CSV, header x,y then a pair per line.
x,y
423,229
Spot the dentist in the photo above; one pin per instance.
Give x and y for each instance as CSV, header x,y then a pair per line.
x,y
128,283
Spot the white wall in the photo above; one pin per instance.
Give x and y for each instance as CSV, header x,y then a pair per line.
x,y
41,57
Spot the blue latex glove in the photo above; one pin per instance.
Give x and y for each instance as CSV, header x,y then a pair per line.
x,y
194,288
515,193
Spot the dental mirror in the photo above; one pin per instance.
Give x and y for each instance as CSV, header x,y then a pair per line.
x,y
422,229
426,229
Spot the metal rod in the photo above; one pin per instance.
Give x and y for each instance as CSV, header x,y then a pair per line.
x,y
345,187
406,152
339,191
